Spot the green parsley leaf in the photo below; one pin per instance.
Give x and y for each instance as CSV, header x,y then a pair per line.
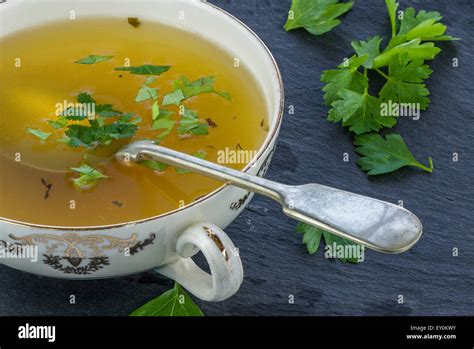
x,y
64,140
38,133
385,155
199,154
224,94
175,302
163,114
176,97
428,30
163,122
146,69
145,93
59,123
127,118
312,238
190,123
154,165
193,88
81,136
81,112
346,77
76,113
106,110
109,113
359,111
316,16
120,130
202,129
413,48
334,240
404,81
423,25
89,176
411,19
190,89
85,98
371,48
155,110
98,133
150,80
92,59
392,7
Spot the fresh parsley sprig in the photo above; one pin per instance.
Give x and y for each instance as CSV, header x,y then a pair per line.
x,y
402,64
346,91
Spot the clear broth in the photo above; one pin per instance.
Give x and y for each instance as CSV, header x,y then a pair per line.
x,y
48,75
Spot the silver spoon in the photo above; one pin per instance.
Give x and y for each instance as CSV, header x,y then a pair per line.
x,y
379,225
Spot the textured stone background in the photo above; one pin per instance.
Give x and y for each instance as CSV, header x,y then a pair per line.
x,y
310,149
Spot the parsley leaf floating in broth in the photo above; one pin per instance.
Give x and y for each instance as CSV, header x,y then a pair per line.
x,y
198,154
190,123
146,93
104,124
154,165
184,89
146,69
92,59
38,133
163,122
88,176
174,98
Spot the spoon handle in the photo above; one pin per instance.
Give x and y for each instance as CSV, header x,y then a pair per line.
x,y
379,225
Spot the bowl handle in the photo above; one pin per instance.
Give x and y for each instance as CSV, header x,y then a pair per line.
x,y
224,262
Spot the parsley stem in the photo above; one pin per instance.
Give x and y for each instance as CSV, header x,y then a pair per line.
x,y
427,169
366,90
382,73
394,28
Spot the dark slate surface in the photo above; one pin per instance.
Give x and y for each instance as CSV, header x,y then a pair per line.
x,y
431,280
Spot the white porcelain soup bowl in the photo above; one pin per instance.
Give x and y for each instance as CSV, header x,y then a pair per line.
x,y
166,242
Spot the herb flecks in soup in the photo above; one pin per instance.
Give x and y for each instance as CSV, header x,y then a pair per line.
x,y
145,81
